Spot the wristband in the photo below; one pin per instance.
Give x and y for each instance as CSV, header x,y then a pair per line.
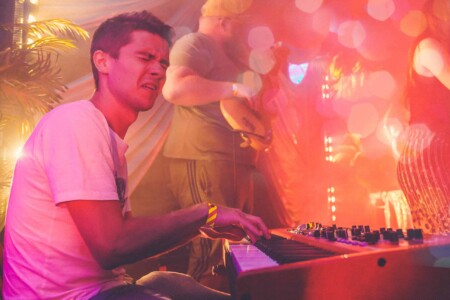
x,y
234,89
212,215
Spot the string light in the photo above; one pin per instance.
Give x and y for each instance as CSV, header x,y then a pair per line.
x,y
332,202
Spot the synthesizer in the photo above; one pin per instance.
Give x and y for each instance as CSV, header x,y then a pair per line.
x,y
330,262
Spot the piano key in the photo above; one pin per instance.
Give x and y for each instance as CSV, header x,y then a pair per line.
x,y
249,257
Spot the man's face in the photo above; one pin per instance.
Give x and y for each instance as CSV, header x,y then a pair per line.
x,y
136,77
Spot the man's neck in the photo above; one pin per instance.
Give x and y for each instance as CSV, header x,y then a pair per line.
x,y
119,119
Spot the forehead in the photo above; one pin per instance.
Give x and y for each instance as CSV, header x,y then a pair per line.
x,y
144,41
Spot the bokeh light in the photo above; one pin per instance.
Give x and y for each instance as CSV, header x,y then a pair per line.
x,y
351,34
380,9
363,119
413,23
308,6
252,79
342,106
380,84
31,19
261,61
261,38
18,153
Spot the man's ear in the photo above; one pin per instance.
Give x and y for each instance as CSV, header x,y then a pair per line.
x,y
100,60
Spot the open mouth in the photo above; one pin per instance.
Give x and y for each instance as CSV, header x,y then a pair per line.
x,y
149,86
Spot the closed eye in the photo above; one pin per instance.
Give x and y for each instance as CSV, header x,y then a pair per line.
x,y
146,57
149,57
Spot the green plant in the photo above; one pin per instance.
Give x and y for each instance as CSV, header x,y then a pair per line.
x,y
30,85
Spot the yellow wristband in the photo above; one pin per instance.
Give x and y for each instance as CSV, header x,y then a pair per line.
x,y
234,89
212,215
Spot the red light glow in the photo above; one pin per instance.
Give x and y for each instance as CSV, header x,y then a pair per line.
x,y
363,119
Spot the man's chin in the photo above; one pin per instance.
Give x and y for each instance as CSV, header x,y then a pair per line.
x,y
147,106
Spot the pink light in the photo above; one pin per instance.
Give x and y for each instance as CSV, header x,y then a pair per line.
x,y
380,9
363,119
308,6
351,34
261,61
252,79
261,38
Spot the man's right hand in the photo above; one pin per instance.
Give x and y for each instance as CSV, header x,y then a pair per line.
x,y
235,225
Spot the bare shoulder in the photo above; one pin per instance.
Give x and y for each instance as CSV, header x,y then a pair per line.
x,y
431,44
431,57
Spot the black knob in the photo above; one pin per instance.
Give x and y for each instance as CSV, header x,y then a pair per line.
x,y
418,234
390,235
370,237
376,233
393,237
409,234
342,233
330,235
356,232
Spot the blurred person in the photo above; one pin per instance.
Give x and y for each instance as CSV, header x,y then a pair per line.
x,y
424,164
69,228
206,158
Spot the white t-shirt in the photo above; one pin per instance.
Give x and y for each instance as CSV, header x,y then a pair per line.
x,y
71,155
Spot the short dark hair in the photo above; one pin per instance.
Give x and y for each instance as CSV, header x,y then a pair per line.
x,y
115,32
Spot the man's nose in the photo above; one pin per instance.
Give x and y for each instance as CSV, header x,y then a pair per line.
x,y
157,70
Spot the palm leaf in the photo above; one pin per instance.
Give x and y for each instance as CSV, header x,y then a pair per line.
x,y
30,85
57,27
52,27
52,42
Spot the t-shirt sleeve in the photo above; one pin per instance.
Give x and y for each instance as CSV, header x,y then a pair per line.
x,y
76,156
194,52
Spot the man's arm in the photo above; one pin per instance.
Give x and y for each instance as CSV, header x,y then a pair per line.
x,y
185,87
115,240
